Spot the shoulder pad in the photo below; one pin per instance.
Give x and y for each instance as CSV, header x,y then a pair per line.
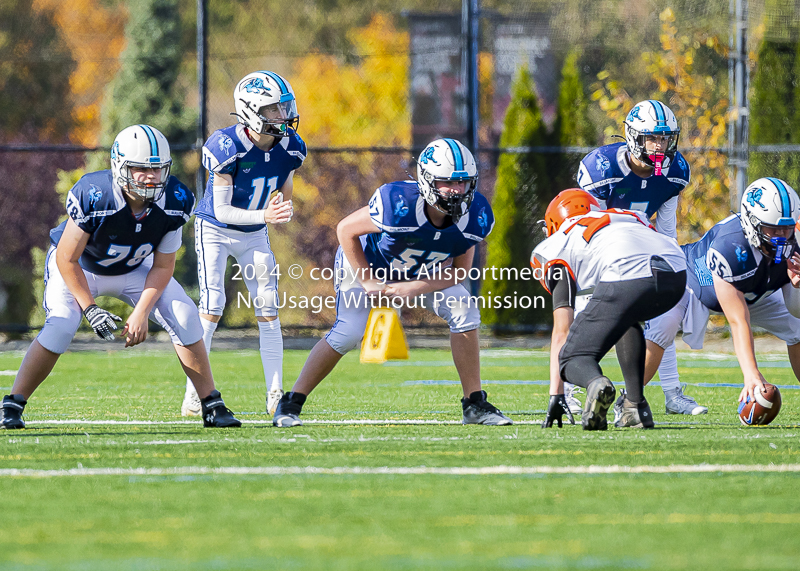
x,y
92,196
599,168
481,219
221,150
679,172
393,207
178,200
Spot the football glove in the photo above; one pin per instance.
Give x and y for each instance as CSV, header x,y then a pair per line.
x,y
102,321
556,409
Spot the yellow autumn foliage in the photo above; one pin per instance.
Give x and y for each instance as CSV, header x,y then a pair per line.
x,y
94,34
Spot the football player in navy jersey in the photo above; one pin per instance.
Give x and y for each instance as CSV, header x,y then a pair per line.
x,y
738,267
408,229
645,173
120,239
251,165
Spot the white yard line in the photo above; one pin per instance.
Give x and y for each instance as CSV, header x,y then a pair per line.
x,y
377,422
403,471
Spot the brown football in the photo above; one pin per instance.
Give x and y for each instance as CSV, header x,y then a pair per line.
x,y
764,409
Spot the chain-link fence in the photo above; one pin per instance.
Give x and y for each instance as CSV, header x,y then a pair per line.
x,y
375,81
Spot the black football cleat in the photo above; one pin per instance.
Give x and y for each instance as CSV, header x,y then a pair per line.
x,y
11,412
216,414
600,396
477,410
288,412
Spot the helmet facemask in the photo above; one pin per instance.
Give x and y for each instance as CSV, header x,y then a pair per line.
x,y
144,190
277,118
776,248
657,160
453,204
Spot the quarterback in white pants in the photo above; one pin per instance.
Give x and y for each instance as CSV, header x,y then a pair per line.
x,y
120,240
251,165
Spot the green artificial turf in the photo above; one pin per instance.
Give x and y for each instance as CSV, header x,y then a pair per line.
x,y
171,515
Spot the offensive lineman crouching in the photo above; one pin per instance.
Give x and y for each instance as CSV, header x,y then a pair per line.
x,y
407,226
117,219
636,274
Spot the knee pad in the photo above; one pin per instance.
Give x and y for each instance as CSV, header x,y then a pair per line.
x,y
344,337
662,330
178,315
457,308
58,331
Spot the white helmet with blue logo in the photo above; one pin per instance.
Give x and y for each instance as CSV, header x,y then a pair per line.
x,y
770,202
265,104
648,118
450,161
143,147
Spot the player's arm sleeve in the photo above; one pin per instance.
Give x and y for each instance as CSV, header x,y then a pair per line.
x,y
667,218
583,177
721,266
171,242
80,209
562,286
228,214
380,217
298,151
219,154
587,178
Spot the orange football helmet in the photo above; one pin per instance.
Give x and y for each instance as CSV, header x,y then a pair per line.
x,y
568,203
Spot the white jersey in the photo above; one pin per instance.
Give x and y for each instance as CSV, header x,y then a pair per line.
x,y
608,246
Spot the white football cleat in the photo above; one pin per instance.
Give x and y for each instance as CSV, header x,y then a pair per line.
x,y
191,403
574,403
273,398
678,403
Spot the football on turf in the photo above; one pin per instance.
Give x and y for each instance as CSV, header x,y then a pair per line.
x,y
764,409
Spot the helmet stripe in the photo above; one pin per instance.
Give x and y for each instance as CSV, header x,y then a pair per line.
x,y
786,204
660,115
278,80
457,157
153,140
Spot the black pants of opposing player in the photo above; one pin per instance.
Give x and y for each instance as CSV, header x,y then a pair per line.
x,y
613,317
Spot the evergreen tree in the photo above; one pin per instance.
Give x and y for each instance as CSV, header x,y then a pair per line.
x,y
774,104
572,127
146,90
522,193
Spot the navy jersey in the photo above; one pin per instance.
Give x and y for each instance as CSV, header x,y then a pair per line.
x,y
256,174
725,252
119,241
408,240
604,173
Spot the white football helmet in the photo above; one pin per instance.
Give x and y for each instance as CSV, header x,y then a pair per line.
x,y
447,160
652,118
141,146
770,202
265,104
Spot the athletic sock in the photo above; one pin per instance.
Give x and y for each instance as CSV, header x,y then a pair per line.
x,y
209,327
668,369
270,342
631,357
